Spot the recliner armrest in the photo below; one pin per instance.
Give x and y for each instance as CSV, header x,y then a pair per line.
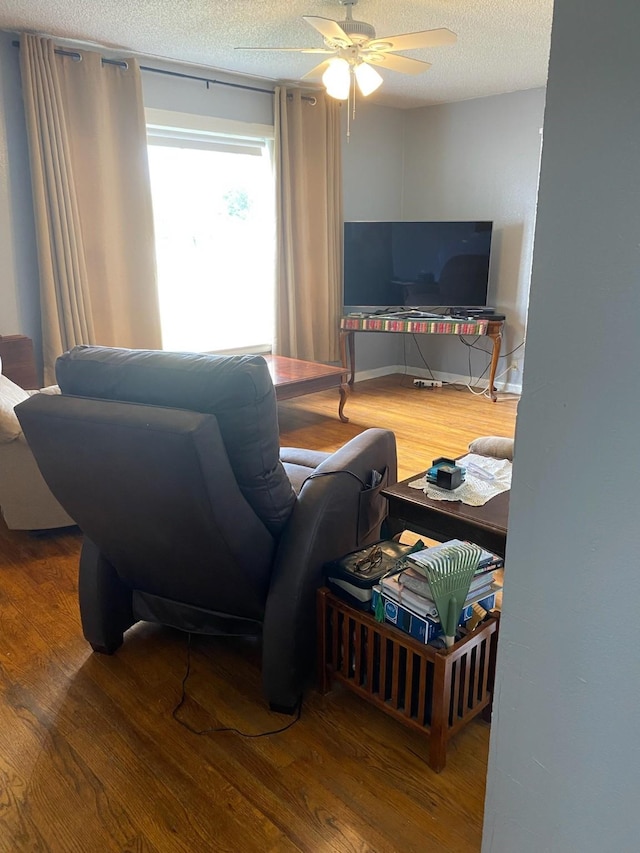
x,y
324,525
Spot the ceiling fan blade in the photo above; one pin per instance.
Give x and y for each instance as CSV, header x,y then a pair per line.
x,y
328,29
414,41
316,71
398,63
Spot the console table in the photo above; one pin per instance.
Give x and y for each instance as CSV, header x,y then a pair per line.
x,y
442,326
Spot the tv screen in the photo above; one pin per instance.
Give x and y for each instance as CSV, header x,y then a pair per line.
x,y
416,264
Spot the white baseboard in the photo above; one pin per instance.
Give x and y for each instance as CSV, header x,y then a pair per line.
x,y
451,378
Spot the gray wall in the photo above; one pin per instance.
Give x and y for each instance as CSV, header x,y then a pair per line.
x,y
164,92
565,741
372,185
479,159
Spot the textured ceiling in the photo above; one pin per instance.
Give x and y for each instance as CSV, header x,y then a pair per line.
x,y
502,45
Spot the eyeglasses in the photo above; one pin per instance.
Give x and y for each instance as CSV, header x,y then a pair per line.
x,y
369,561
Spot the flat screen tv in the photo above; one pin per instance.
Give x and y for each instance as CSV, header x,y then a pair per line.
x,y
424,265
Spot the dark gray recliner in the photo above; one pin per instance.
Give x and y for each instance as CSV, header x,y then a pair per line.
x,y
169,463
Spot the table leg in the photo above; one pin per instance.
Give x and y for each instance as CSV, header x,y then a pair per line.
x,y
344,393
324,681
495,355
439,714
347,352
393,527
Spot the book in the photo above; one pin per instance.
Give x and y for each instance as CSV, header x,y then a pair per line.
x,y
424,605
488,561
394,589
417,583
422,628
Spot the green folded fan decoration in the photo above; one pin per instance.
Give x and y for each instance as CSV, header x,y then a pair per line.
x,y
450,572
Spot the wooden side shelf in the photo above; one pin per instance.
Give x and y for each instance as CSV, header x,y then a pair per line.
x,y
435,691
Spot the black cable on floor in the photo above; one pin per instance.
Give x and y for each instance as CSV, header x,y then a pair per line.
x,y
213,729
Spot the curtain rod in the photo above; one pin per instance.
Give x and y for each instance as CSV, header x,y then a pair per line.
x,y
121,63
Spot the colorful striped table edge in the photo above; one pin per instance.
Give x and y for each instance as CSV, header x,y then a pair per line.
x,y
446,326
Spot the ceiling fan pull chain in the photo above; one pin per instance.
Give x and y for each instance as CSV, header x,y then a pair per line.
x,y
353,80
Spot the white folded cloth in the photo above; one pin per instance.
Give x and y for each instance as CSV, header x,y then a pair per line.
x,y
485,478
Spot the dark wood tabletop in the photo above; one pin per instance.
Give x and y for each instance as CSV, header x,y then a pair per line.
x,y
293,377
412,509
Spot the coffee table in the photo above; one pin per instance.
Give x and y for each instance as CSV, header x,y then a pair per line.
x,y
443,520
293,377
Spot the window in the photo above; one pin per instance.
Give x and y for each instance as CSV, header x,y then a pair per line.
x,y
213,200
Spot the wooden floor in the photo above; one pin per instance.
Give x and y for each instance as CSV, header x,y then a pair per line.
x,y
92,760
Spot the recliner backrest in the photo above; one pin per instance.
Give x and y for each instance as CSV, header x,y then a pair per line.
x,y
153,489
236,389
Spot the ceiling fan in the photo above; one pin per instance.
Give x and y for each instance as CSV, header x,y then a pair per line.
x,y
353,49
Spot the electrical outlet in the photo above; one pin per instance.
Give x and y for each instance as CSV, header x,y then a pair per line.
x,y
427,383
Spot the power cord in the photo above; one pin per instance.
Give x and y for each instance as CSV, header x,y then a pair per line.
x,y
329,473
485,351
470,388
213,729
468,385
485,392
424,361
404,383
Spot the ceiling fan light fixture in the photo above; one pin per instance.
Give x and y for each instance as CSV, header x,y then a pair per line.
x,y
368,78
337,79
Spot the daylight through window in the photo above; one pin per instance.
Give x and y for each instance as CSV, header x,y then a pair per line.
x,y
213,202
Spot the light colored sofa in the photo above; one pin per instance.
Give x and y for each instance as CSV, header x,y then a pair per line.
x,y
26,502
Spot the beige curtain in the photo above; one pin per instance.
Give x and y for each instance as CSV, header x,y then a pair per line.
x,y
92,200
309,225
